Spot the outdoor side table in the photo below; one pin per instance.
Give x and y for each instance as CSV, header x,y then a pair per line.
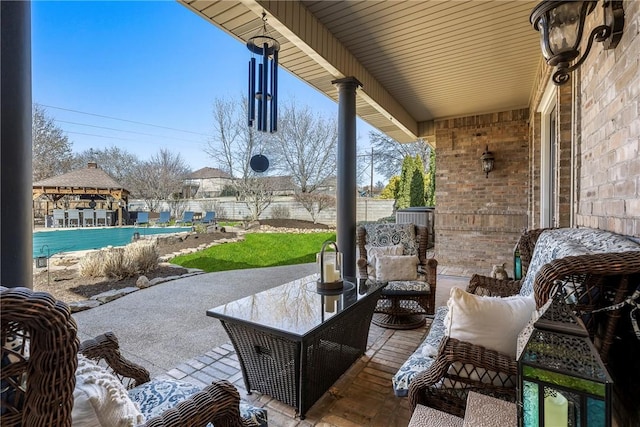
x,y
293,342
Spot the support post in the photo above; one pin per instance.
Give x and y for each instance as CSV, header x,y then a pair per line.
x,y
346,175
16,207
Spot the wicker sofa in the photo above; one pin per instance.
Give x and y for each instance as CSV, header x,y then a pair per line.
x,y
597,266
46,372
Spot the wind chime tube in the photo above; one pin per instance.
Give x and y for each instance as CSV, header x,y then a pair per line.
x,y
251,99
265,83
261,98
273,124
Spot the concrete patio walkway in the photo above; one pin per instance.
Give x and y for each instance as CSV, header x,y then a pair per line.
x,y
164,325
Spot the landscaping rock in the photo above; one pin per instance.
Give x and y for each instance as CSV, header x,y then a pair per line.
x,y
77,306
143,282
115,294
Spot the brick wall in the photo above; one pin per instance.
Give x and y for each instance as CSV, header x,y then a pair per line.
x,y
478,220
609,177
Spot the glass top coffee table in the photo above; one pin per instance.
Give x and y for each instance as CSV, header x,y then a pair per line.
x,y
293,342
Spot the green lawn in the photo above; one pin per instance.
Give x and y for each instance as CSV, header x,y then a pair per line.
x,y
258,250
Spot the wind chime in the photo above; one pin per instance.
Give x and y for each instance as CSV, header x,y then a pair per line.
x,y
267,94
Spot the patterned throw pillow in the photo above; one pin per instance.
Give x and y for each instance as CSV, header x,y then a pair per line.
x,y
393,234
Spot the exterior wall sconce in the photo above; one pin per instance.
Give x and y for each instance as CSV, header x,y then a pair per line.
x,y
487,161
561,24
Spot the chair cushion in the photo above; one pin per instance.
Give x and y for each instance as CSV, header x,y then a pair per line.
x,y
100,399
374,251
492,322
396,267
419,360
406,287
158,395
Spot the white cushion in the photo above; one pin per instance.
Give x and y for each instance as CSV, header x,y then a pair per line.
x,y
492,322
396,267
100,399
374,251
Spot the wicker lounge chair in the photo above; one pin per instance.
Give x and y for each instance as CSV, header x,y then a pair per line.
x,y
39,361
599,280
403,304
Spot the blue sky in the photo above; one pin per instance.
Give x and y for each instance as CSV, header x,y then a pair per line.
x,y
151,62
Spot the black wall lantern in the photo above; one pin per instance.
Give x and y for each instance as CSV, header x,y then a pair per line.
x,y
561,24
487,160
267,94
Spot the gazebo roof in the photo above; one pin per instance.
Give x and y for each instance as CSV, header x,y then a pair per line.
x,y
91,180
91,176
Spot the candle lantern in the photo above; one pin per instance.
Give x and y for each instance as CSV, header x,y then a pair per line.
x,y
561,378
330,266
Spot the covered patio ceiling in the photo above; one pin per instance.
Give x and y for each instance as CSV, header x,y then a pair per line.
x,y
418,61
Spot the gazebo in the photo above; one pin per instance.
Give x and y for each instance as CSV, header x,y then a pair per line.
x,y
90,187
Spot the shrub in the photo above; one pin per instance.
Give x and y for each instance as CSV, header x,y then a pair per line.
x,y
280,212
135,258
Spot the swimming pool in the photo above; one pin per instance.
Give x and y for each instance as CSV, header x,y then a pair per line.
x,y
79,239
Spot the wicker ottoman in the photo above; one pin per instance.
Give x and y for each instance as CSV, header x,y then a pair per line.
x,y
424,416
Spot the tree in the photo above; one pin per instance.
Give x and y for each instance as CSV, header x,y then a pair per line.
x,y
304,147
403,197
391,190
430,181
416,187
160,178
388,154
51,153
118,163
315,203
233,146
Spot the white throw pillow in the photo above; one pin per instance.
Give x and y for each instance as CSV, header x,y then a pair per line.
x,y
396,267
492,322
100,399
374,251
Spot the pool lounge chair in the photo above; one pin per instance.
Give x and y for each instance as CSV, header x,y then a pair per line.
x,y
143,218
101,217
73,217
208,218
187,217
59,219
88,216
165,217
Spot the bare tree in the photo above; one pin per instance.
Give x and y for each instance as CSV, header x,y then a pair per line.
x,y
51,154
304,147
315,203
160,178
388,154
233,146
118,163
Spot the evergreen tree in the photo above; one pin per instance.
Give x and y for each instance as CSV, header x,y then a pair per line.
x,y
430,187
416,190
403,199
391,190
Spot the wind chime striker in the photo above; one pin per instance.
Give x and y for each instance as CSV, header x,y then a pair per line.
x,y
267,94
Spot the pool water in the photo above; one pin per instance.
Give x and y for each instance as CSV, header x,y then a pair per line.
x,y
47,243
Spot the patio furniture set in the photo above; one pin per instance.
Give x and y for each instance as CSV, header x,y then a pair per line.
x,y
308,338
188,217
81,217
